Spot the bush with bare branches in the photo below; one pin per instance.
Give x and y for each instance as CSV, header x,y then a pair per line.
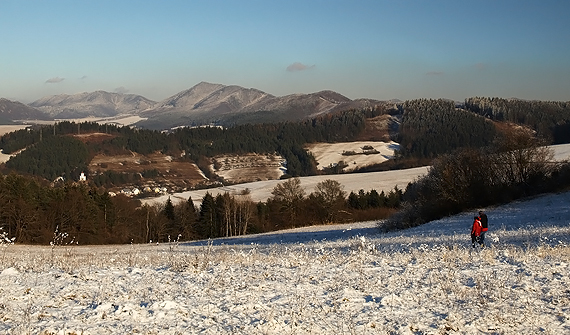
x,y
469,178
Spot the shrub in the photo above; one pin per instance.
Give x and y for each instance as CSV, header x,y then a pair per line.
x,y
472,178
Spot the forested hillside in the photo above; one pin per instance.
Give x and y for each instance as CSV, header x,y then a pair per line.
x,y
194,144
433,127
32,211
550,119
428,128
53,157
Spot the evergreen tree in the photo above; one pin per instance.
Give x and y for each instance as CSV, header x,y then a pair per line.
x,y
374,199
207,221
353,201
169,210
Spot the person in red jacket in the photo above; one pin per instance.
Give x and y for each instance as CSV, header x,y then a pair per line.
x,y
476,231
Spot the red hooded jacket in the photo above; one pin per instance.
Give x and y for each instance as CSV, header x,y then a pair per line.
x,y
476,230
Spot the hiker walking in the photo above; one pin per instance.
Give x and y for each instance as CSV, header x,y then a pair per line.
x,y
476,231
484,227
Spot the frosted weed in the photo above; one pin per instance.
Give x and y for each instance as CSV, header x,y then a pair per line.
x,y
61,242
5,242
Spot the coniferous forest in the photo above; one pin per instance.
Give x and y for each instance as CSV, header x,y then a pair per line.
x,y
549,119
34,209
433,127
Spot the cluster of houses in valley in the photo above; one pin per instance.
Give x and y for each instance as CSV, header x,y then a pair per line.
x,y
135,191
130,192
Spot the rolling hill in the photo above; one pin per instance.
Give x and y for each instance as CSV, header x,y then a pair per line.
x,y
217,104
352,182
98,104
11,111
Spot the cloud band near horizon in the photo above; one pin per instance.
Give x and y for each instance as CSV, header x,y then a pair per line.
x,y
54,80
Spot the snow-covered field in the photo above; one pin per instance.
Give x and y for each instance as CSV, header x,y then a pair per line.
x,y
261,190
343,279
327,154
5,129
352,182
4,157
121,120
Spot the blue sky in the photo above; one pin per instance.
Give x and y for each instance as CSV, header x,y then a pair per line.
x,y
381,49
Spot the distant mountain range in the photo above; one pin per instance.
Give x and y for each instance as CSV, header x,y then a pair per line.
x,y
99,104
14,111
217,104
204,103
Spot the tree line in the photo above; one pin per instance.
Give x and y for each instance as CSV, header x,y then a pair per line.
x,y
35,212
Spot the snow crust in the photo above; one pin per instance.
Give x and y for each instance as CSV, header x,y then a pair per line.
x,y
344,279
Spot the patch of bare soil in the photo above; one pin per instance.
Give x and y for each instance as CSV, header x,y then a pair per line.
x,y
249,167
93,137
381,128
177,174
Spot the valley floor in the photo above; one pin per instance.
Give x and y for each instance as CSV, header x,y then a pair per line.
x,y
344,279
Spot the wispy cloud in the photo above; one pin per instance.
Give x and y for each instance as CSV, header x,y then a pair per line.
x,y
54,80
121,90
83,78
297,66
435,73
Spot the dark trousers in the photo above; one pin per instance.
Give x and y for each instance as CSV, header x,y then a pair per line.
x,y
482,237
474,239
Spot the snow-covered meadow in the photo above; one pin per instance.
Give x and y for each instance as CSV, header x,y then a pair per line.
x,y
343,279
352,182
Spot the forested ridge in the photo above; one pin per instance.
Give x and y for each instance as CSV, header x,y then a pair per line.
x,y
433,127
550,119
429,128
287,139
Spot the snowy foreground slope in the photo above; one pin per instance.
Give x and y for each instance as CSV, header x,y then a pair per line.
x,y
344,279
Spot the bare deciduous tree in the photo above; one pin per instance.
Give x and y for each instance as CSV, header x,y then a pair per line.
x,y
331,196
290,195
